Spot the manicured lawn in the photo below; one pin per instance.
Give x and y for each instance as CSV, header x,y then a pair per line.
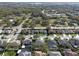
x,y
9,53
51,21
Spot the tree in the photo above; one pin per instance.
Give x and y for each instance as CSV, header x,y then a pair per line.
x,y
21,37
47,39
45,22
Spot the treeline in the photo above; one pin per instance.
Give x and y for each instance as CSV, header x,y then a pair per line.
x,y
17,11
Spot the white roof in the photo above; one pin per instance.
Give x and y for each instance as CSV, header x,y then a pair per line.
x,y
19,51
55,35
11,20
64,37
69,36
51,37
23,46
24,53
54,53
1,31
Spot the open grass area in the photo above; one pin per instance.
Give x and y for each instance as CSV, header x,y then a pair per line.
x,y
9,53
51,21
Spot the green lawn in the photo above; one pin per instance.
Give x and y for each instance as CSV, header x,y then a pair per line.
x,y
51,21
9,53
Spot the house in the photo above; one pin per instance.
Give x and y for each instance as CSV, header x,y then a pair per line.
x,y
23,46
39,42
43,36
76,37
38,30
67,50
74,43
39,53
54,53
6,31
27,41
23,52
11,20
1,49
0,31
64,36
63,43
14,43
52,44
51,37
70,53
70,37
3,43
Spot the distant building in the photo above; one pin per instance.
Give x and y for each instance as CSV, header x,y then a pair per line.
x,y
53,13
54,30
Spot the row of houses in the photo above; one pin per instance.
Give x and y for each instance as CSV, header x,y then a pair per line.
x,y
49,53
44,30
52,31
53,13
52,44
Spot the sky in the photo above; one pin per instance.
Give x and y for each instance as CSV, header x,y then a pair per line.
x,y
39,0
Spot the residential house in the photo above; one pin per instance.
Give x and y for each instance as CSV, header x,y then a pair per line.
x,y
14,43
64,36
74,43
76,37
0,31
54,53
1,49
70,53
23,52
3,43
39,42
63,43
27,41
39,53
52,44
